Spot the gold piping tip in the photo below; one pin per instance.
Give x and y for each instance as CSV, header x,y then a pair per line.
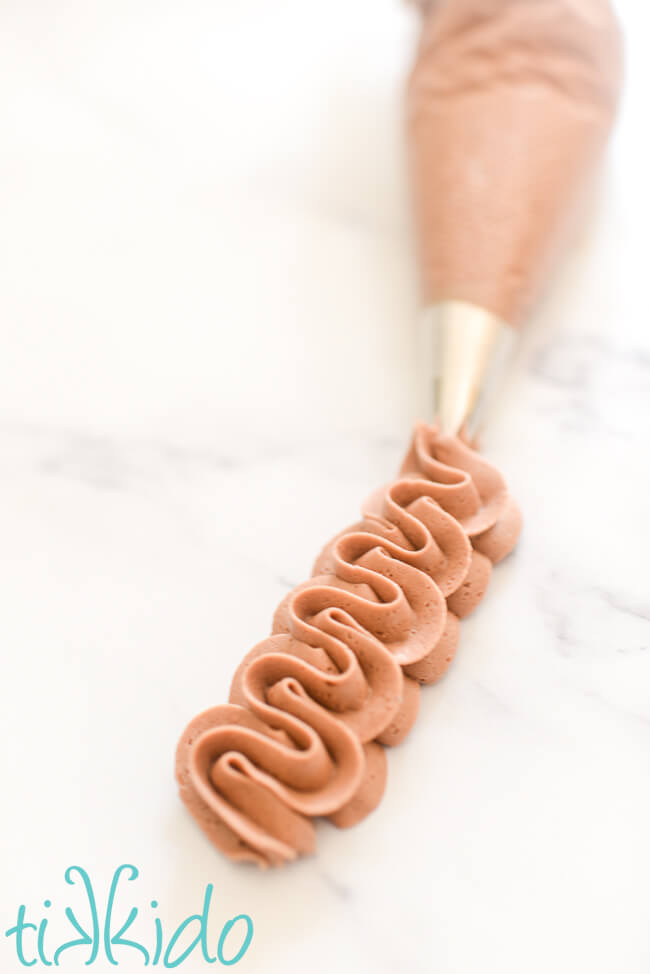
x,y
466,351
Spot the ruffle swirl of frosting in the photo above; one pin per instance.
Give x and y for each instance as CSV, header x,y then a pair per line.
x,y
313,706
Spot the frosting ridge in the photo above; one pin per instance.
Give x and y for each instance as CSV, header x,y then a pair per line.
x,y
313,705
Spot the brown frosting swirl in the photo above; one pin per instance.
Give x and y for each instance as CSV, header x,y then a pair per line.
x,y
311,705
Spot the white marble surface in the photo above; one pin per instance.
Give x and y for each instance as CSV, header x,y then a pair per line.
x,y
207,306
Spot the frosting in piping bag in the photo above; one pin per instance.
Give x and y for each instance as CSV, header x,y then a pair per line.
x,y
509,105
313,706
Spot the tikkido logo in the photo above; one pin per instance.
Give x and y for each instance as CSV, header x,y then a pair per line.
x,y
96,940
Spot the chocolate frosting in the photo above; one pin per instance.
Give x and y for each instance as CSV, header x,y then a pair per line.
x,y
313,706
509,105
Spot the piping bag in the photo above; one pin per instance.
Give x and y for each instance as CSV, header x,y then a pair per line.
x,y
509,105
